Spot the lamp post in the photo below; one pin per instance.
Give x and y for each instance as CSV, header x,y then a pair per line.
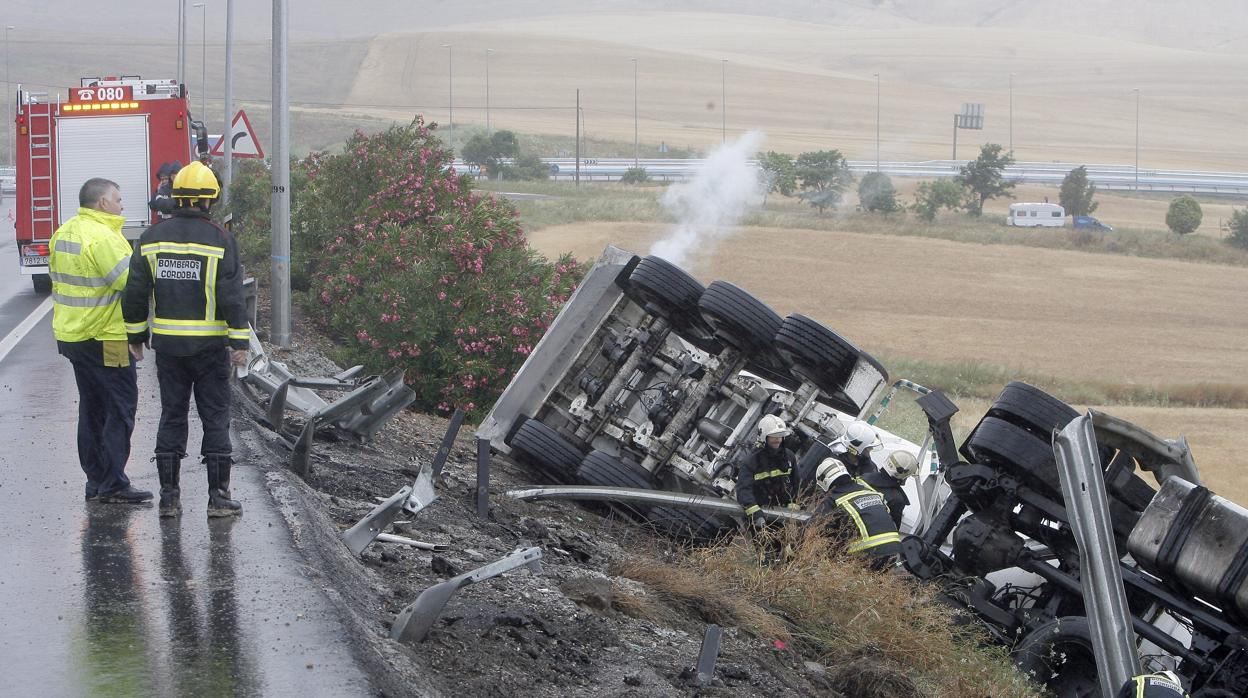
x,y
636,146
877,122
450,95
8,94
181,41
1137,138
1011,112
488,51
723,100
203,62
228,131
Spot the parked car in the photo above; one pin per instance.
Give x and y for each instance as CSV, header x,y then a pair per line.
x,y
1090,222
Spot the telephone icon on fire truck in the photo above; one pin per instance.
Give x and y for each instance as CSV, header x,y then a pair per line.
x,y
243,139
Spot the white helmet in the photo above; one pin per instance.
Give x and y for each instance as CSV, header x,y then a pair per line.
x,y
860,436
771,425
901,465
828,472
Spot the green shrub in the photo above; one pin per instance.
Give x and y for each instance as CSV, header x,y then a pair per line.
x,y
1184,215
876,193
635,175
1239,228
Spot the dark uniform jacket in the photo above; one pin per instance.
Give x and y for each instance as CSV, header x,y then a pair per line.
x,y
894,495
1151,686
190,266
767,477
856,512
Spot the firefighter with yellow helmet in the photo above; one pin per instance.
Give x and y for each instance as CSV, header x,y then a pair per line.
x,y
189,267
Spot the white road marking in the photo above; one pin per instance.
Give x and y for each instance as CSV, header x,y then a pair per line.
x,y
24,328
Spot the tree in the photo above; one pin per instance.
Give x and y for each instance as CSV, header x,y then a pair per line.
x,y
824,176
525,166
1184,215
489,151
876,193
1239,229
982,177
1077,193
932,196
635,175
778,172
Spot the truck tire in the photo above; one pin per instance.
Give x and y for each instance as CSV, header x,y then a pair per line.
x,y
1059,655
601,469
544,448
824,358
668,291
1032,409
1014,450
740,319
686,524
42,283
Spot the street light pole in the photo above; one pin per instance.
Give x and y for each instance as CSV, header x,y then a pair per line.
x,y
488,51
203,62
723,100
636,146
181,42
877,122
280,182
1011,112
9,108
1137,138
228,131
450,96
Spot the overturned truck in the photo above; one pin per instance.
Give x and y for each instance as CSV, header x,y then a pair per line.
x,y
648,380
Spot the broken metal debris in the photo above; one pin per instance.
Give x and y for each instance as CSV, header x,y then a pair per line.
x,y
709,653
483,478
410,498
696,502
413,622
444,451
419,545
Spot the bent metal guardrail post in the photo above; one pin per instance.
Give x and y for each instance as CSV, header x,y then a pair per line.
x,y
1087,506
709,653
413,623
411,498
361,412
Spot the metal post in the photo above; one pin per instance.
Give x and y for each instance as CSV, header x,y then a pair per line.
x,y
203,62
9,108
1011,112
281,181
636,146
1137,139
723,100
877,122
483,478
578,138
955,137
228,130
181,42
450,96
488,51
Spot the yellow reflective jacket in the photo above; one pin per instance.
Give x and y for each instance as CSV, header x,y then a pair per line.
x,y
89,266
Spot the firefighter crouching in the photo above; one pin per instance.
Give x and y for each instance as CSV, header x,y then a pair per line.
x,y
767,477
890,481
1160,685
853,511
189,267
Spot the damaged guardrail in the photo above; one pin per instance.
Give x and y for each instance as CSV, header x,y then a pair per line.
x,y
697,502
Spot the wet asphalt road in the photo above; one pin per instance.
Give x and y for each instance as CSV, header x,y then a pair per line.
x,y
107,599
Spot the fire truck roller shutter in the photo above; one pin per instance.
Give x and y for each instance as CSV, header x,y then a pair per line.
x,y
113,147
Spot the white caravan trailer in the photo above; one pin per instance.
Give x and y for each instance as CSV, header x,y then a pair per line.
x,y
1032,215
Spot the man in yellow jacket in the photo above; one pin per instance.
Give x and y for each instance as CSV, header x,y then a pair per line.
x,y
89,266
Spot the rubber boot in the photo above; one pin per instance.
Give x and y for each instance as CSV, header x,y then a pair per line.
x,y
219,502
168,466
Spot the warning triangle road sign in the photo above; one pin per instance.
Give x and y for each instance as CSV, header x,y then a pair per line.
x,y
242,139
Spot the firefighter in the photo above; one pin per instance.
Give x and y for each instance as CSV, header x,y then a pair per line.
x,y
854,448
890,481
88,267
1161,685
852,510
189,266
162,199
767,476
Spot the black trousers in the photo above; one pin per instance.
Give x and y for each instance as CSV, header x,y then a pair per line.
x,y
207,376
107,399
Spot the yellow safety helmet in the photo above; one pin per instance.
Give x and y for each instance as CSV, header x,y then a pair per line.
x,y
194,183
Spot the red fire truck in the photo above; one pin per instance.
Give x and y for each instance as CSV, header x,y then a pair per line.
x,y
120,128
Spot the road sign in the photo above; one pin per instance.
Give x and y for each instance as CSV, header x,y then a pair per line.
x,y
243,139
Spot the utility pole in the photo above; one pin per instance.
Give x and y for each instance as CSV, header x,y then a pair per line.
x,y
203,63
1137,138
228,131
723,100
877,122
578,137
8,92
488,51
1011,113
636,143
280,181
450,96
181,42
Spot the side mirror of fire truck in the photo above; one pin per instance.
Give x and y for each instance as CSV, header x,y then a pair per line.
x,y
201,140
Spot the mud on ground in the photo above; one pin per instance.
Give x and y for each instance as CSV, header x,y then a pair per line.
x,y
573,629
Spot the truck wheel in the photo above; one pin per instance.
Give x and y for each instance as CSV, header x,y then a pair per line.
x,y
1039,413
666,290
601,469
686,524
42,283
1014,450
741,320
1059,655
543,447
821,356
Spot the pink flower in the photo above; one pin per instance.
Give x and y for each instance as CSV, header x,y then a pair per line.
x,y
362,335
441,295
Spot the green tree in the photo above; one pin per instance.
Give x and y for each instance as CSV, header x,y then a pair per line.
x,y
1239,229
932,196
1077,193
635,175
983,177
824,176
778,172
525,166
489,151
1184,215
876,193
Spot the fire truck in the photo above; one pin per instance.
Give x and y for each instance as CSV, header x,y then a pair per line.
x,y
120,128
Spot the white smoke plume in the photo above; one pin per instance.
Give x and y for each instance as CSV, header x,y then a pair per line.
x,y
708,206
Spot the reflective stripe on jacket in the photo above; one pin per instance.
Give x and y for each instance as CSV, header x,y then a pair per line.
x,y
190,266
766,477
1152,686
864,507
89,265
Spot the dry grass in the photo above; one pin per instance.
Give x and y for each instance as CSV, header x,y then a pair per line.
x,y
840,612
